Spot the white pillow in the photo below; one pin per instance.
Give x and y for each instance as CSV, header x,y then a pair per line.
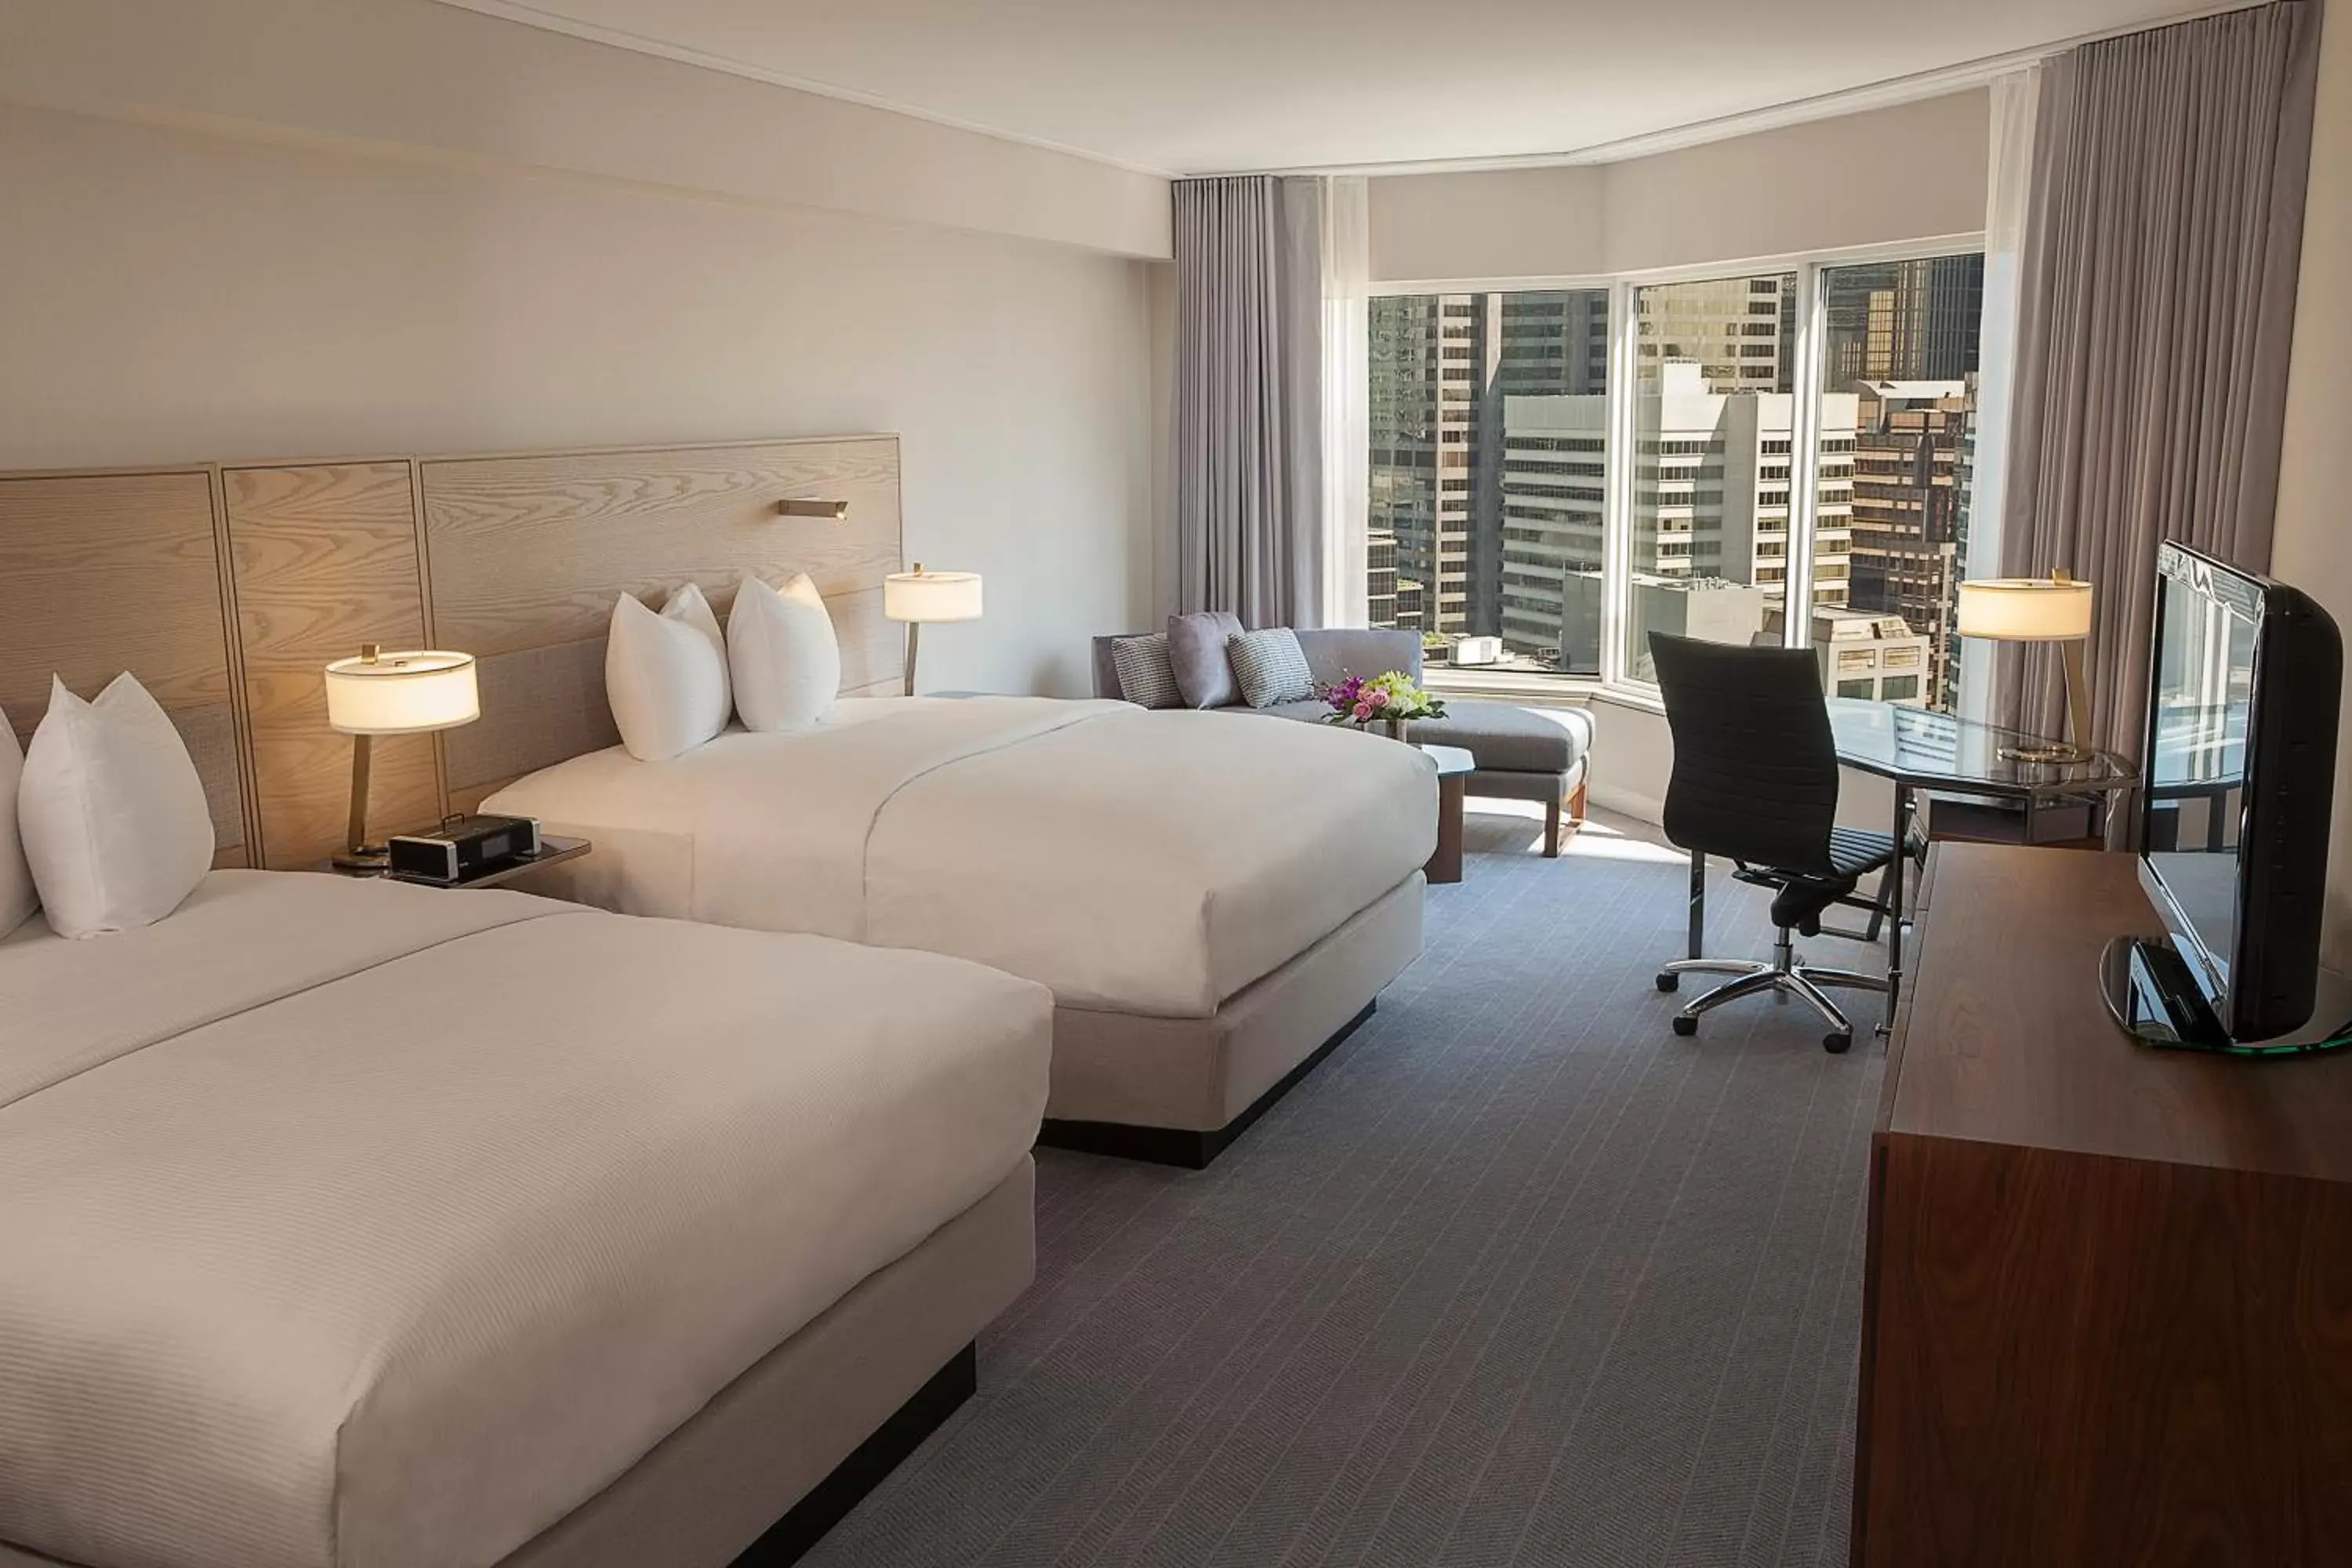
x,y
17,898
665,675
116,828
782,653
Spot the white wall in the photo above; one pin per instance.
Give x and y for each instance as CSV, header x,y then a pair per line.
x,y
1915,171
2314,546
172,294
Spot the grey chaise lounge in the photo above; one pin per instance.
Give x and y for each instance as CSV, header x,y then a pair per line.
x,y
1523,753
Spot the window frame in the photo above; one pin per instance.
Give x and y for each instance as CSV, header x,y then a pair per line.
x,y
1616,681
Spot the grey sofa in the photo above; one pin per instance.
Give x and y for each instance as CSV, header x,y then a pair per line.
x,y
1541,754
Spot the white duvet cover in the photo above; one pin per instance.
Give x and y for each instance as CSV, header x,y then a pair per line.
x,y
351,1223
1143,862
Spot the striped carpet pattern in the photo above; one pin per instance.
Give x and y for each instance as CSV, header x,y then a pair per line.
x,y
1516,1277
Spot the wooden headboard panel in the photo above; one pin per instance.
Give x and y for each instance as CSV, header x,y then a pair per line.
x,y
525,555
104,571
228,590
325,558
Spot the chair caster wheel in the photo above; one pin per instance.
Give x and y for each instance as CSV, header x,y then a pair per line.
x,y
1686,1027
1837,1045
1670,982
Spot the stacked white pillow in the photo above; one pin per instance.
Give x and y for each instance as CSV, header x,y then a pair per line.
x,y
17,898
115,828
674,677
782,654
665,675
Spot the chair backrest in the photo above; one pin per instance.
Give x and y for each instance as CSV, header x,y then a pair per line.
x,y
1755,769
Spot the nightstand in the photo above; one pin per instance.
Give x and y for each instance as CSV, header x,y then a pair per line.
x,y
553,850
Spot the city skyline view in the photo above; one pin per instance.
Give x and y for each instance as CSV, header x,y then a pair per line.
x,y
1490,420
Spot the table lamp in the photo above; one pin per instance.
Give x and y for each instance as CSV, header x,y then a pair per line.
x,y
919,596
383,693
2055,608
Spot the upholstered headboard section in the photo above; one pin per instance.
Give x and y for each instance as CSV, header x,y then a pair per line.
x,y
525,555
105,572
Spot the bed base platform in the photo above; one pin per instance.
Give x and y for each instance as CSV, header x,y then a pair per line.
x,y
1179,1092
779,1456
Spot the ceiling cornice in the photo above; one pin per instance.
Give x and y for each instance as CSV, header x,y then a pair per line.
x,y
531,16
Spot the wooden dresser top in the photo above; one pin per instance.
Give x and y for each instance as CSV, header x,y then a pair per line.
x,y
2006,1040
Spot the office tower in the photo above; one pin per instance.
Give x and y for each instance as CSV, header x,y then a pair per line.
x,y
1442,366
1894,321
1381,577
1910,514
1735,331
1711,508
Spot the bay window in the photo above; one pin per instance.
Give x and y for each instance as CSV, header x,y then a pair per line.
x,y
1781,453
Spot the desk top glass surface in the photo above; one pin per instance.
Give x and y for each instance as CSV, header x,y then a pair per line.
x,y
1918,746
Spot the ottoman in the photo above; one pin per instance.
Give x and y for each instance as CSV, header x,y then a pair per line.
x,y
1523,753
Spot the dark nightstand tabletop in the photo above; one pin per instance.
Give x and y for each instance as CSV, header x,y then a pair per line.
x,y
555,849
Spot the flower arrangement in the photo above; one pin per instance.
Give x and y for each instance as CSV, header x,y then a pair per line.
x,y
1391,699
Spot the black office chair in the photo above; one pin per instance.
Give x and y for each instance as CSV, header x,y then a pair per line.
x,y
1756,781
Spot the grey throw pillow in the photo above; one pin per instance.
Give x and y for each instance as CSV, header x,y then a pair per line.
x,y
1271,667
1145,675
1196,652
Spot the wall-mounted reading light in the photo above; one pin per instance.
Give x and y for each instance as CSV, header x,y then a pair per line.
x,y
834,510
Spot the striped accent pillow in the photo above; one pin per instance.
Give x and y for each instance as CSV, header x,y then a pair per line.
x,y
1145,675
1271,667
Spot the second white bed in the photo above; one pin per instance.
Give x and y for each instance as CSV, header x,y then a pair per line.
x,y
1237,891
1151,863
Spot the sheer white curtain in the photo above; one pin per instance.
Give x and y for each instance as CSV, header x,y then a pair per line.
x,y
1346,396
2008,191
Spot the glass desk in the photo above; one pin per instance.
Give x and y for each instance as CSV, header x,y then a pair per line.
x,y
1915,749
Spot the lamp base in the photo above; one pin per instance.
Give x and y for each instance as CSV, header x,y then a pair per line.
x,y
366,857
2052,753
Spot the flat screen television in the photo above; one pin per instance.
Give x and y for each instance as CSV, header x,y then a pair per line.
x,y
2243,680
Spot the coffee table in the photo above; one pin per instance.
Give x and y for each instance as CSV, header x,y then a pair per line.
x,y
1454,767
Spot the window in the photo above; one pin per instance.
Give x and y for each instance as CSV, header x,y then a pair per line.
x,y
1897,404
1782,454
1688,401
1534,435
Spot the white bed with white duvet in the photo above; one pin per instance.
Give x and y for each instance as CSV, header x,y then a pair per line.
x,y
1211,901
349,1224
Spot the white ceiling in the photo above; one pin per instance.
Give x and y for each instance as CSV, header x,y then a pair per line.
x,y
1208,86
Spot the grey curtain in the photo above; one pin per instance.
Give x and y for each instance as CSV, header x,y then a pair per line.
x,y
1249,413
2157,307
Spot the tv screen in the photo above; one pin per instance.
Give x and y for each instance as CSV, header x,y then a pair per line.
x,y
2243,681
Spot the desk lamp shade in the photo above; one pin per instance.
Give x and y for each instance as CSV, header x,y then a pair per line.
x,y
2055,608
392,694
2025,609
919,597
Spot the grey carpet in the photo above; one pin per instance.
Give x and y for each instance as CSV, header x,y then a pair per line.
x,y
1516,1277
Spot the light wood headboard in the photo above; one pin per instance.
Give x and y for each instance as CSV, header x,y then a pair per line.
x,y
526,555
107,571
226,590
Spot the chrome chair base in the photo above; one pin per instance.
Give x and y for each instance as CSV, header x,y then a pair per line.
x,y
1784,975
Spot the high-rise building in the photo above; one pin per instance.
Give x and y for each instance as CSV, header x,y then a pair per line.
x,y
1903,320
1910,512
1442,365
1711,504
1380,576
1735,331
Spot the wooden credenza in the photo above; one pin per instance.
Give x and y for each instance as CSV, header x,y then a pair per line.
x,y
2107,1313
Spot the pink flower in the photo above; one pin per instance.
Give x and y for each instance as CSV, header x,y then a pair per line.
x,y
1363,711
